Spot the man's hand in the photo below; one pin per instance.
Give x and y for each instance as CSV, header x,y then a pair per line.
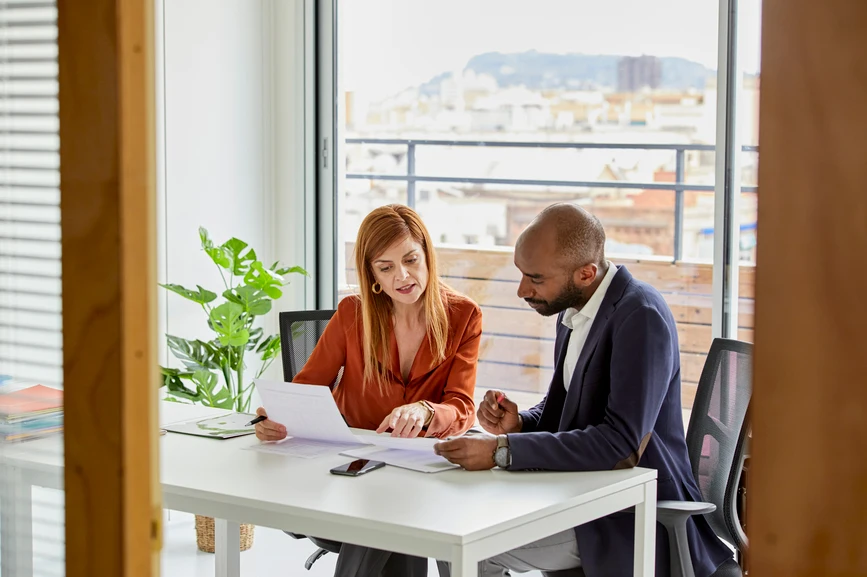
x,y
498,415
474,453
406,421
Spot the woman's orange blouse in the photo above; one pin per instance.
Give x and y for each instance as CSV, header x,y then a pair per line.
x,y
447,385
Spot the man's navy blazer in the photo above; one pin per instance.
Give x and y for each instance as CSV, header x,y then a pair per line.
x,y
623,409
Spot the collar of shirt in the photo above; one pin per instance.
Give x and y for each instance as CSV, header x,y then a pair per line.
x,y
589,310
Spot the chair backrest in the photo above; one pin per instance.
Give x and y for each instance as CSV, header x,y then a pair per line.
x,y
717,433
299,333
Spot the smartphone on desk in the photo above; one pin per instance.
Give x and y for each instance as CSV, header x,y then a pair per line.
x,y
357,467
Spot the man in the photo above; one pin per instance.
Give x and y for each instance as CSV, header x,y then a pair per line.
x,y
614,400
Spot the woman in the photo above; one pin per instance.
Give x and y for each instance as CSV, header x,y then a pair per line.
x,y
408,345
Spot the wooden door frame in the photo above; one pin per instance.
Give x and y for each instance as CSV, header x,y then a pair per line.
x,y
807,497
108,223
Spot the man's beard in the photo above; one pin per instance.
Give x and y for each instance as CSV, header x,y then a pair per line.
x,y
572,296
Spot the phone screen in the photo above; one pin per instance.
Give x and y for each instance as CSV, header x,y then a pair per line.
x,y
357,467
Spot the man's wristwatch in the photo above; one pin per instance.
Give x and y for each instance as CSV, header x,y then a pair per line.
x,y
502,455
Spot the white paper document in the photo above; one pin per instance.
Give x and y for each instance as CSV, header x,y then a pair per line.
x,y
386,441
307,411
316,428
424,462
304,448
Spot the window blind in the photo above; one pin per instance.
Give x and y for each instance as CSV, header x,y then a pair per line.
x,y
30,313
32,518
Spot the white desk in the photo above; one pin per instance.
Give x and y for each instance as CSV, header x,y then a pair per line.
x,y
456,515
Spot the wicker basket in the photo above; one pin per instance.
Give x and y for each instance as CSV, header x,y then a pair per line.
x,y
205,534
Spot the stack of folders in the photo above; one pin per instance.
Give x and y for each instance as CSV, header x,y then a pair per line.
x,y
30,412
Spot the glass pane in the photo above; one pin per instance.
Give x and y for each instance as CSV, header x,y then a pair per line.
x,y
32,524
490,112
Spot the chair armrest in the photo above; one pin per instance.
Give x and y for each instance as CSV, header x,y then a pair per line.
x,y
673,516
669,512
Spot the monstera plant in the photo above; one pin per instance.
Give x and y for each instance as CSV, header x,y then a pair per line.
x,y
215,371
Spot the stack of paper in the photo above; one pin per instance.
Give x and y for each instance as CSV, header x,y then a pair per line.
x,y
30,412
315,427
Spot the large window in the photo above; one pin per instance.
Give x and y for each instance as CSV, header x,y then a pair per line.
x,y
481,114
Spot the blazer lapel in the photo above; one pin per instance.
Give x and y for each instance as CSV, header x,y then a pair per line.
x,y
612,297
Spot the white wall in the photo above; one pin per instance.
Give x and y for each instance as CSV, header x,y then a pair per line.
x,y
230,147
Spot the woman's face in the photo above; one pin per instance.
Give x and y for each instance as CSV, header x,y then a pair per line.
x,y
401,270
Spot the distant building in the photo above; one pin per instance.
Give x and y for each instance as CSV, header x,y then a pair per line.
x,y
635,73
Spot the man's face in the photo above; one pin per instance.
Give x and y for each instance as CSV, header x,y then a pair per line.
x,y
547,285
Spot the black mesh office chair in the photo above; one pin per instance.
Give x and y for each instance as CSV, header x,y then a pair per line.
x,y
299,333
716,441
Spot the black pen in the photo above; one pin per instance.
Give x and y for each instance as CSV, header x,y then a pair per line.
x,y
258,419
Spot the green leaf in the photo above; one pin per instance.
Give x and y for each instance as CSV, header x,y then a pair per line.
x,y
254,301
238,259
201,296
228,322
289,270
264,280
270,347
173,381
255,337
194,354
216,253
205,381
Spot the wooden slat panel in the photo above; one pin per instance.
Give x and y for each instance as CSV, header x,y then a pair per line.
x,y
697,338
514,333
517,351
691,365
528,379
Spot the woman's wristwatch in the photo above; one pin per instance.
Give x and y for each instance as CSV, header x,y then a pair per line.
x,y
430,411
502,454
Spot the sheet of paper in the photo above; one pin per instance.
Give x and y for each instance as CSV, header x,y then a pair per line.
x,y
307,411
413,460
304,448
420,444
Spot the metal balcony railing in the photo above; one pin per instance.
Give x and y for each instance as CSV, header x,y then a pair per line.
x,y
679,186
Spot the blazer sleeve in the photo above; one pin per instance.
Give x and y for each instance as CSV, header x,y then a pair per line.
x,y
641,368
456,412
530,418
329,354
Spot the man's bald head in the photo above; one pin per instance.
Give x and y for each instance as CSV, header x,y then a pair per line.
x,y
579,236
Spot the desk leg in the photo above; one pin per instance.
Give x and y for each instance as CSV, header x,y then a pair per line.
x,y
16,524
645,533
463,565
227,548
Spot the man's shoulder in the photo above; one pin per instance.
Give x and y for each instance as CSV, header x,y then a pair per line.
x,y
639,294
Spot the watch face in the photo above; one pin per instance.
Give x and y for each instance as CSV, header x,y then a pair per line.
x,y
501,457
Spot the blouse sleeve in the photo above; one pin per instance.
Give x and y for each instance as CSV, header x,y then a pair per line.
x,y
456,412
329,354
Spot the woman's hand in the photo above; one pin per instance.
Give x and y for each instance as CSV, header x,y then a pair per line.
x,y
268,430
406,421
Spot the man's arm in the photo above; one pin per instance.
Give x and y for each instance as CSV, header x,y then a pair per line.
x,y
641,367
530,418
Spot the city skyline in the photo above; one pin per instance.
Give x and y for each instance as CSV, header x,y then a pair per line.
x,y
388,46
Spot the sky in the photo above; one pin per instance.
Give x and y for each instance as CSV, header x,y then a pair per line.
x,y
388,45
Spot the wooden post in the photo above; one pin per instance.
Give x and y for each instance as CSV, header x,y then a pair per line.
x,y
113,513
807,493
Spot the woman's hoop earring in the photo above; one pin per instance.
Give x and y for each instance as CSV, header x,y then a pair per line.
x,y
376,288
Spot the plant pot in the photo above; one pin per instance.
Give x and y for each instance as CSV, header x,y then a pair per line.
x,y
205,534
